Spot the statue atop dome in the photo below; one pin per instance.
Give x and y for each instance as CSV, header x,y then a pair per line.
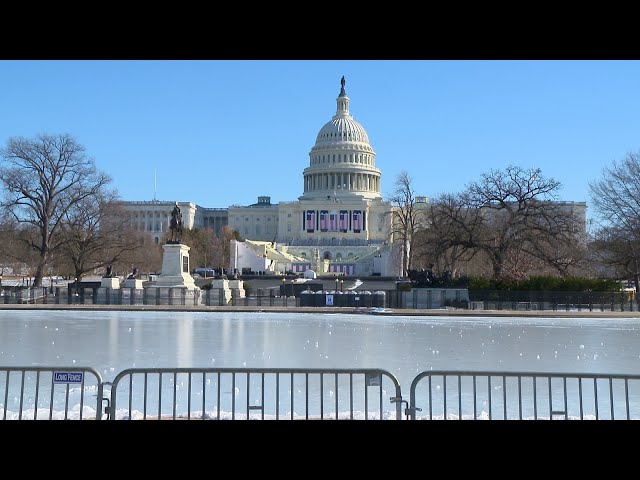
x,y
342,92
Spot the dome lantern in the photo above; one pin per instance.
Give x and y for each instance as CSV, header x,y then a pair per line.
x,y
342,101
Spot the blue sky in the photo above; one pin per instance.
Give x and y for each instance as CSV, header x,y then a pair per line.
x,y
223,132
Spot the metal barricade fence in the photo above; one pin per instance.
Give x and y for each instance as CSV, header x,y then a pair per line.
x,y
50,393
253,393
460,395
62,393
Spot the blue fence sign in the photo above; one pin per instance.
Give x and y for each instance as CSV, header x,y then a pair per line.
x,y
67,377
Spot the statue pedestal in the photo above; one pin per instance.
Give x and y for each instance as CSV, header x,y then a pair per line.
x,y
237,286
110,282
175,267
220,292
133,283
174,285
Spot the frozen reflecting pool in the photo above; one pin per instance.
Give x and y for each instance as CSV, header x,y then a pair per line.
x,y
111,341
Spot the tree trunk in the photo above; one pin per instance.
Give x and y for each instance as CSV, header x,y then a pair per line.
x,y
496,260
37,279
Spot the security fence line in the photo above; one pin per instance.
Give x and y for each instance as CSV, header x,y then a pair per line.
x,y
417,298
490,395
66,393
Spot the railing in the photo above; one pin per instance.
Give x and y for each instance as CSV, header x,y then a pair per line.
x,y
250,393
50,393
66,393
22,295
461,395
421,299
553,300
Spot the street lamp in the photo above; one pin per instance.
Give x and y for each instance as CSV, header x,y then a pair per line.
x,y
341,285
337,284
284,286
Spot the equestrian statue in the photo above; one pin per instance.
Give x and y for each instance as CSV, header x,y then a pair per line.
x,y
175,226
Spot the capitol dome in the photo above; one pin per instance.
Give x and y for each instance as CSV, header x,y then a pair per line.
x,y
342,128
342,162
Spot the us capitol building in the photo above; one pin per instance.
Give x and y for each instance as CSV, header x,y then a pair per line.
x,y
339,225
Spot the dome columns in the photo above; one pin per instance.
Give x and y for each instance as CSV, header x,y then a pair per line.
x,y
330,181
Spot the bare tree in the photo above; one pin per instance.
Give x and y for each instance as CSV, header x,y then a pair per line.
x,y
406,217
447,241
43,179
521,213
16,258
95,233
9,241
616,201
510,218
615,255
557,237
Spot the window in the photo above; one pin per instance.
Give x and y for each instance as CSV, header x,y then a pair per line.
x,y
310,221
324,220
